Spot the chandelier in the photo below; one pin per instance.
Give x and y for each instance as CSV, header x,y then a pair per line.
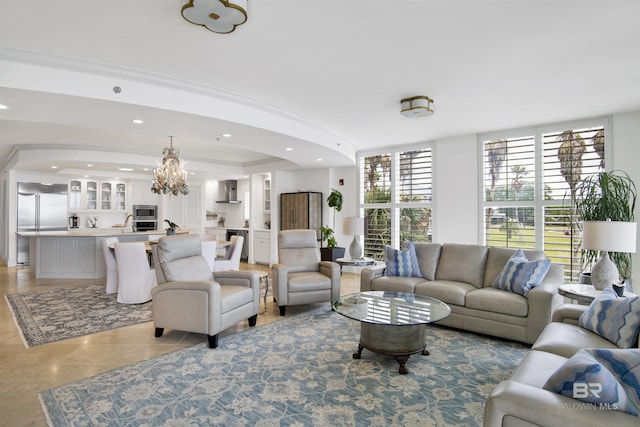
x,y
170,177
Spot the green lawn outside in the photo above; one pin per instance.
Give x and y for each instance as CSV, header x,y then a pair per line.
x,y
556,244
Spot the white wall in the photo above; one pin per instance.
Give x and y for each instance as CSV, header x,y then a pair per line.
x,y
626,157
349,190
455,212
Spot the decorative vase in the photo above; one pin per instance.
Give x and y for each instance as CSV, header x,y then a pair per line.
x,y
604,273
170,231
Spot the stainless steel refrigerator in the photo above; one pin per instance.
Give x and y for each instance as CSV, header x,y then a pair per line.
x,y
41,207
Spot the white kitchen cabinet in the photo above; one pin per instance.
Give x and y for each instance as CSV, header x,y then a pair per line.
x,y
91,196
113,196
141,193
220,233
186,211
120,201
106,196
75,195
262,247
267,196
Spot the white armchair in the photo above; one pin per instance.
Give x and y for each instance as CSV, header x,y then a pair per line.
x,y
300,277
189,297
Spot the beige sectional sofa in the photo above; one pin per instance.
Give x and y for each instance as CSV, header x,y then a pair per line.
x,y
522,401
461,276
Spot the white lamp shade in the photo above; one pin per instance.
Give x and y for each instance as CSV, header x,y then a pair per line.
x,y
609,236
353,226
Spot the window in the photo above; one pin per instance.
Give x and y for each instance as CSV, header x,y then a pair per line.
x,y
396,198
529,178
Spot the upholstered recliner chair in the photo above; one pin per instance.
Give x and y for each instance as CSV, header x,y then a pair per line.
x,y
300,277
190,298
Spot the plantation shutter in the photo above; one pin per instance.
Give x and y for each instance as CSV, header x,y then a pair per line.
x,y
529,181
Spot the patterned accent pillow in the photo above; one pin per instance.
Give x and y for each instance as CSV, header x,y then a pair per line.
x,y
520,275
602,377
415,267
616,319
398,262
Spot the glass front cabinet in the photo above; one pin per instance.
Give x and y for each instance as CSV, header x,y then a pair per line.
x,y
91,195
121,196
105,193
75,195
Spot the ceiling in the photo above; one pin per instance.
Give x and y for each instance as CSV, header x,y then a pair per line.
x,y
323,78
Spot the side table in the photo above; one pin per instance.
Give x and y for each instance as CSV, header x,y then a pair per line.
x,y
582,294
264,278
355,262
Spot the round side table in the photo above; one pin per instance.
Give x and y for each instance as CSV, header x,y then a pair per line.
x,y
355,262
582,294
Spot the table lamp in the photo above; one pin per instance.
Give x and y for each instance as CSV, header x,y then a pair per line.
x,y
608,236
354,226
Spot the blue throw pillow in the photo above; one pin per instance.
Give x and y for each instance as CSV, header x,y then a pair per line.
x,y
415,267
398,262
614,318
602,377
520,275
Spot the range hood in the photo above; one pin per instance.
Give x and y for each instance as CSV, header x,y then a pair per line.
x,y
228,191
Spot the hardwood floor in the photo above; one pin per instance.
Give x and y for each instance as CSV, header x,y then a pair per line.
x,y
26,372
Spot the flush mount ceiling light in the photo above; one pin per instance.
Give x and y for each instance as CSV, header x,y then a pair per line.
x,y
219,16
417,106
170,177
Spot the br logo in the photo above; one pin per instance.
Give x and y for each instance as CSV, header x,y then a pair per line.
x,y
585,390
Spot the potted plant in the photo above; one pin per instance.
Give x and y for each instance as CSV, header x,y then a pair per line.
x,y
332,251
602,197
171,230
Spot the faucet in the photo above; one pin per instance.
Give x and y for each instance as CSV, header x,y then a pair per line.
x,y
127,219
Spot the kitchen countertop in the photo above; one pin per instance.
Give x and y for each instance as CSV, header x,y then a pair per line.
x,y
86,232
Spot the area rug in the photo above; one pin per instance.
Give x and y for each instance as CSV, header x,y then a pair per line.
x,y
294,372
57,314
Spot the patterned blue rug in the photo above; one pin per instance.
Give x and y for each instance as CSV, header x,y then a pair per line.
x,y
295,372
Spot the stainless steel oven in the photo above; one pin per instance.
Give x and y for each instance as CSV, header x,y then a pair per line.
x,y
145,225
145,212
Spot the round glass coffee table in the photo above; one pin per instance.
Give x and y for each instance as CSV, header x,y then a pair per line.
x,y
392,323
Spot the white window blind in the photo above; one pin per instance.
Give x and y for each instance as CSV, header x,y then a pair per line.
x,y
396,195
528,183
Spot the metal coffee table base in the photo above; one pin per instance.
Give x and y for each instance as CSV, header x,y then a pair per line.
x,y
393,340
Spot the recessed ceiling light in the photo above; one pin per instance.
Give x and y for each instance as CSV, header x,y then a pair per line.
x,y
318,160
3,107
54,167
145,169
288,149
226,135
90,165
125,169
137,121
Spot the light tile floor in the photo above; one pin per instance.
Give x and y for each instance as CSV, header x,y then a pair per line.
x,y
26,372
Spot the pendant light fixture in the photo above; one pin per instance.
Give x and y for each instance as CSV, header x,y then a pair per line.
x,y
170,177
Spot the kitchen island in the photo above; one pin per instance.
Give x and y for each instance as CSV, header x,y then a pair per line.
x,y
76,254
